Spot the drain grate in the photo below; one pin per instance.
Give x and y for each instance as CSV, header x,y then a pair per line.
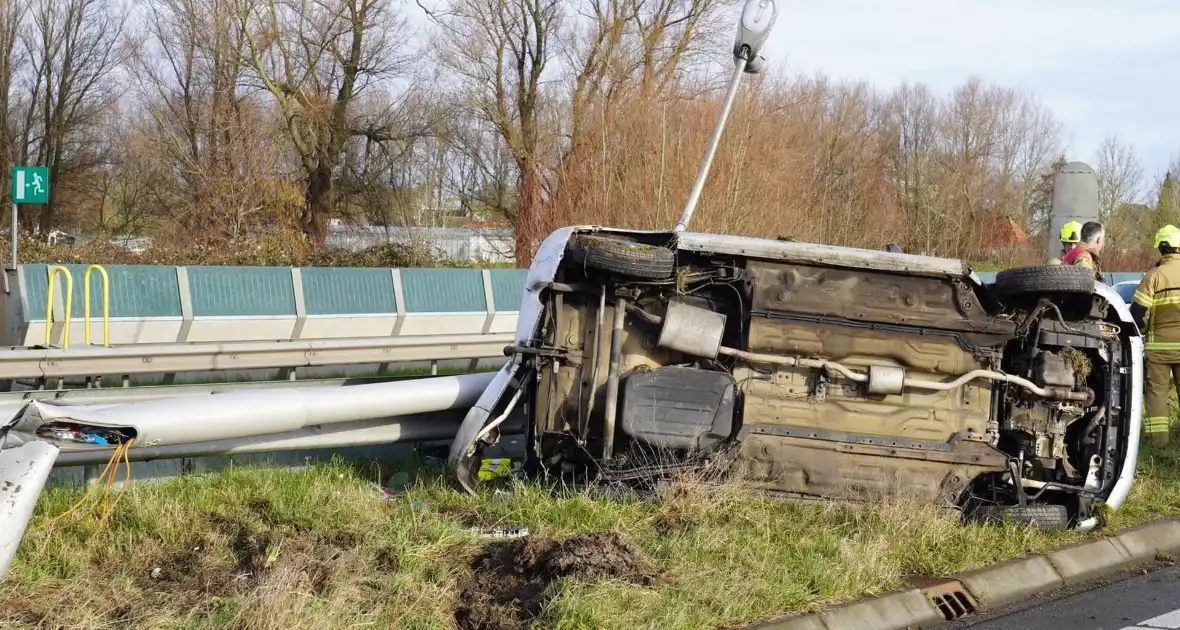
x,y
952,600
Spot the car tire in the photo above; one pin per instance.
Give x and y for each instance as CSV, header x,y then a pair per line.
x,y
621,257
1045,279
1044,516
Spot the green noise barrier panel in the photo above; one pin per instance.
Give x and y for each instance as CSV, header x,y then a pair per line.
x,y
241,291
136,291
343,291
443,290
508,288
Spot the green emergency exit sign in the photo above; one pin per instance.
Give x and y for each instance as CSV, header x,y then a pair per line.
x,y
30,184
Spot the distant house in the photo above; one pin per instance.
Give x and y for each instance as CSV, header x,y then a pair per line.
x,y
1002,233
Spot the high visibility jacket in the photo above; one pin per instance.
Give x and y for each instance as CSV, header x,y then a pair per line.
x,y
1083,257
1066,248
1159,293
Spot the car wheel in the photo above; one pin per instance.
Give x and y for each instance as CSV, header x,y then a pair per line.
x,y
1044,516
1042,279
622,257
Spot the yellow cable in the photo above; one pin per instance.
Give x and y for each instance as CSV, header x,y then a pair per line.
x,y
110,480
104,500
110,508
88,492
108,474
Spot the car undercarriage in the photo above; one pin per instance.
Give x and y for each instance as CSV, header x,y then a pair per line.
x,y
812,371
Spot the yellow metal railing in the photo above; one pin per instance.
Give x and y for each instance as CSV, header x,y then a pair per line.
x,y
106,304
65,333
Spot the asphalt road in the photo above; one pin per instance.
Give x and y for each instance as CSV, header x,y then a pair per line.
x,y
1128,601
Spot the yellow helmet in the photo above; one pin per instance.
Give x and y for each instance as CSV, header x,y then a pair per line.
x,y
1071,232
1169,234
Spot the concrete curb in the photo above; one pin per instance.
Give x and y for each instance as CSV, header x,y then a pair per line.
x,y
995,586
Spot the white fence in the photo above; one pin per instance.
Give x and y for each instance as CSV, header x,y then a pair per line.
x,y
486,246
460,244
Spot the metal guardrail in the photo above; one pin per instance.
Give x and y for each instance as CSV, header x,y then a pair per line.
x,y
250,355
140,393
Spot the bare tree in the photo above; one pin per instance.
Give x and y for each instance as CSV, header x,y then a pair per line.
x,y
76,52
913,119
511,57
501,50
317,59
1120,176
190,74
12,14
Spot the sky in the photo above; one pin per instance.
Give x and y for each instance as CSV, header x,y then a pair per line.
x,y
1103,67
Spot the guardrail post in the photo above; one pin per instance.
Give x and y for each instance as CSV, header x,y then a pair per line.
x,y
186,313
490,305
399,302
186,304
69,300
300,303
106,304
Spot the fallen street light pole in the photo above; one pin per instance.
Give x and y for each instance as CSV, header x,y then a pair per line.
x,y
23,473
415,428
189,419
245,421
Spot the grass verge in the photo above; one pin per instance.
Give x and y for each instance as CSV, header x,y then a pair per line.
x,y
315,548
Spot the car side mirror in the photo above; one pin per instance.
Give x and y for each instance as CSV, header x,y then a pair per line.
x,y
753,30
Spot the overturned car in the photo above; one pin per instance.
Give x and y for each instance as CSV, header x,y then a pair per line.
x,y
814,371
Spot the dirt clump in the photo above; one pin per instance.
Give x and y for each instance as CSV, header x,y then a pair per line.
x,y
509,582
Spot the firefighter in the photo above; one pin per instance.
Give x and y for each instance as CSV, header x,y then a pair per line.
x,y
1071,233
1156,309
1085,253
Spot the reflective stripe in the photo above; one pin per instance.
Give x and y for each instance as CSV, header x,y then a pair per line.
x,y
1142,299
1159,424
1162,345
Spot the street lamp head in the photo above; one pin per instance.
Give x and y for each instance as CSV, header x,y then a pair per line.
x,y
757,65
754,28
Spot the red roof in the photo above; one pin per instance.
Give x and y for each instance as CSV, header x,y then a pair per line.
x,y
1004,232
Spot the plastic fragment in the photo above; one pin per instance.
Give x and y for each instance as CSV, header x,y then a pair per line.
x,y
497,468
501,532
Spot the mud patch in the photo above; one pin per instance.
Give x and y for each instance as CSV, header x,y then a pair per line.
x,y
386,560
237,550
674,522
465,517
509,582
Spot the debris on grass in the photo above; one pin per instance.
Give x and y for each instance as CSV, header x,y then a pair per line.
x,y
1079,362
510,531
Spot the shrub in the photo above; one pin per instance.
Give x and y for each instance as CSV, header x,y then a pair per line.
x,y
269,251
